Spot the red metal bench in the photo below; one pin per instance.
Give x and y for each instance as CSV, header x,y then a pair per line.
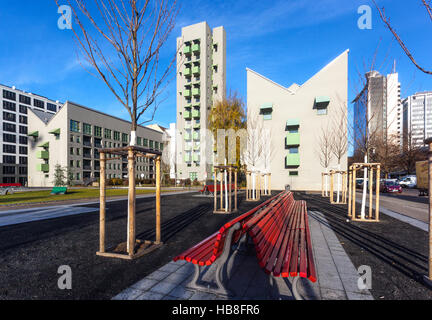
x,y
283,243
217,247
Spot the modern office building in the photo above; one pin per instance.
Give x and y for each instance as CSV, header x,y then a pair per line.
x,y
71,139
15,104
294,117
417,118
201,80
379,107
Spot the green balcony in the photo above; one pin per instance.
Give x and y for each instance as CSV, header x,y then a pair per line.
x,y
293,123
45,145
187,50
189,106
55,132
322,102
187,72
196,136
196,92
197,126
34,134
196,158
196,114
292,139
196,48
187,136
187,93
188,148
188,126
197,147
42,155
42,167
292,160
187,115
187,157
196,70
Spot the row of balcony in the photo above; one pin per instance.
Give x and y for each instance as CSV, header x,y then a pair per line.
x,y
196,147
192,158
195,126
196,114
195,136
189,49
196,70
194,92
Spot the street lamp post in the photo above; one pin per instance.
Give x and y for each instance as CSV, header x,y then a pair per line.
x,y
428,279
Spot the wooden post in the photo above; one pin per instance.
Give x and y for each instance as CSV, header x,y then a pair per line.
x,y
370,191
102,214
158,200
235,190
430,207
230,190
221,190
349,192
322,184
331,186
215,188
377,206
353,203
131,204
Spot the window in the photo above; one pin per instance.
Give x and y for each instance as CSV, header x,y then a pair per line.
x,y
193,176
98,131
9,127
9,95
139,141
151,144
78,151
9,180
39,104
71,151
161,146
9,138
293,173
25,100
8,170
8,148
22,129
87,129
116,136
9,106
9,159
23,140
108,134
78,176
51,107
23,160
125,137
321,111
23,109
74,126
157,145
23,119
9,116
22,170
78,164
23,150
145,142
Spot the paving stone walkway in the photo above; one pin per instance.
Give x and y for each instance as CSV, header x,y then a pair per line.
x,y
337,276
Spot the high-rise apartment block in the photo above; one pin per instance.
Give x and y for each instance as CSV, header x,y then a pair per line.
x,y
14,131
417,118
378,109
201,80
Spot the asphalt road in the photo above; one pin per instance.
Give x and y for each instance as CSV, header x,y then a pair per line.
x,y
31,253
407,203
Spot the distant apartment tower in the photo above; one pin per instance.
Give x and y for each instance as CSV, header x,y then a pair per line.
x,y
72,137
201,80
417,118
378,107
14,131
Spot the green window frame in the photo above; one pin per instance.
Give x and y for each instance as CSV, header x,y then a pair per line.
x,y
87,128
139,141
116,136
125,138
146,142
161,146
74,126
98,131
157,145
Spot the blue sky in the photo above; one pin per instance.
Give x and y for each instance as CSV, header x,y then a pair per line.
x,y
286,41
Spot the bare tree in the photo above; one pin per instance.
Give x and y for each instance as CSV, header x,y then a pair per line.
x,y
121,41
325,141
412,152
339,147
386,20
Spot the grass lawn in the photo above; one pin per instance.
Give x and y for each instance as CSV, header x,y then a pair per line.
x,y
45,196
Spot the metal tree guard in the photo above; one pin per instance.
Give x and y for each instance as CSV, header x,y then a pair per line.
x,y
133,248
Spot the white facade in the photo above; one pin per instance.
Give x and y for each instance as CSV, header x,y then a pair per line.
x,y
201,80
417,118
14,105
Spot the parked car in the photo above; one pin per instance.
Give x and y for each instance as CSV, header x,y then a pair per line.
x,y
390,187
408,182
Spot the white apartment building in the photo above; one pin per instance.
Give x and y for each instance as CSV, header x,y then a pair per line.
x,y
14,131
71,138
379,106
417,118
201,80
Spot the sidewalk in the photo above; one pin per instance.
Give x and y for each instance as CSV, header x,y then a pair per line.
x,y
337,276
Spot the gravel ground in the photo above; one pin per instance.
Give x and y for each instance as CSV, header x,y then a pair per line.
x,y
31,253
396,251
